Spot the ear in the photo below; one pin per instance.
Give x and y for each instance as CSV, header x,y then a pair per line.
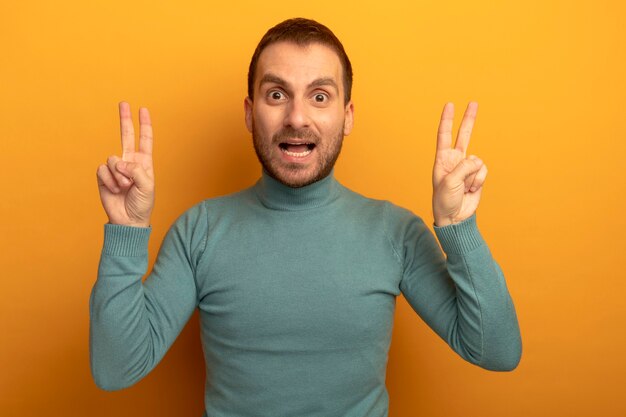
x,y
247,107
349,118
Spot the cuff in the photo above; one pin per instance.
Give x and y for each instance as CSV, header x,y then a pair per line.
x,y
459,238
125,241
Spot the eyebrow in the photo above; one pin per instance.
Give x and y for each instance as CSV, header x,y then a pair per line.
x,y
320,82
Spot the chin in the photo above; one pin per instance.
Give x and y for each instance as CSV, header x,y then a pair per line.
x,y
296,177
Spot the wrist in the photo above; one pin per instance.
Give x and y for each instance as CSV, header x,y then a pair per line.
x,y
130,224
130,220
442,222
445,221
139,225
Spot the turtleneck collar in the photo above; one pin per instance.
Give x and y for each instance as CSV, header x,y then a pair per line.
x,y
278,196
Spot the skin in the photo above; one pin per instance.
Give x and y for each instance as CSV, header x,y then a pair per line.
x,y
299,99
457,179
126,184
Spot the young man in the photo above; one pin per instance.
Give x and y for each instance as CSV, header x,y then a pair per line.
x,y
295,277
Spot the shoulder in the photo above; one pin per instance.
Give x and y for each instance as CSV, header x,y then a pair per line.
x,y
225,203
406,233
192,228
197,218
360,202
389,212
399,223
403,226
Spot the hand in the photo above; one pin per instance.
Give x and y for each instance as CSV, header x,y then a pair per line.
x,y
126,185
457,179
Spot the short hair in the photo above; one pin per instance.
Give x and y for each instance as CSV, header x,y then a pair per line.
x,y
302,32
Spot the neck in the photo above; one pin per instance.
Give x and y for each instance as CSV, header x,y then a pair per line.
x,y
276,195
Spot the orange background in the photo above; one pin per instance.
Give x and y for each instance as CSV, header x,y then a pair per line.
x,y
549,77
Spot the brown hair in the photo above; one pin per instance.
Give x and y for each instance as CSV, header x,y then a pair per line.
x,y
302,32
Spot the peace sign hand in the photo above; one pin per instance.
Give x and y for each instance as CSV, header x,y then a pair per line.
x,y
457,179
126,184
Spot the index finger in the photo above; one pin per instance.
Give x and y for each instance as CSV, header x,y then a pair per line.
x,y
145,131
444,133
126,129
465,131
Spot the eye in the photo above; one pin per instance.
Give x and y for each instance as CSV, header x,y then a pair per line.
x,y
320,98
276,95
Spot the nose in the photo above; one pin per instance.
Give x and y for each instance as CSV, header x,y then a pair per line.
x,y
296,115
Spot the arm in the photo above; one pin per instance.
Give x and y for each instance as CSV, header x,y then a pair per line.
x,y
133,324
463,297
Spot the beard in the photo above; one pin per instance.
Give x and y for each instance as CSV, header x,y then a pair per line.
x,y
296,175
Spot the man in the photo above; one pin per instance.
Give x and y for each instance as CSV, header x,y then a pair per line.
x,y
295,277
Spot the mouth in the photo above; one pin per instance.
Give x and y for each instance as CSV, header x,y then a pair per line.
x,y
296,149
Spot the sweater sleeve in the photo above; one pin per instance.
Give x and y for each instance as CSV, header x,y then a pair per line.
x,y
463,296
133,324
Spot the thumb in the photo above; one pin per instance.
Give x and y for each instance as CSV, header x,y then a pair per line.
x,y
136,174
464,169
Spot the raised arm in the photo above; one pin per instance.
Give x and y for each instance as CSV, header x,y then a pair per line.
x,y
133,323
463,295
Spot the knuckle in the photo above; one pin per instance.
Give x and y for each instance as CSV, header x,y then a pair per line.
x,y
102,171
452,183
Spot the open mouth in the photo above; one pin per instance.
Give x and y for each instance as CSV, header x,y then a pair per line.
x,y
297,150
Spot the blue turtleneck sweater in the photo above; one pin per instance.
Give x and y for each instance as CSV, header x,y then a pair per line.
x,y
296,290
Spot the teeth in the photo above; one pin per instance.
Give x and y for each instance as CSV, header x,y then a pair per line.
x,y
297,154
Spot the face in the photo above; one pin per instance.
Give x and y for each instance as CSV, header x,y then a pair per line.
x,y
298,117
